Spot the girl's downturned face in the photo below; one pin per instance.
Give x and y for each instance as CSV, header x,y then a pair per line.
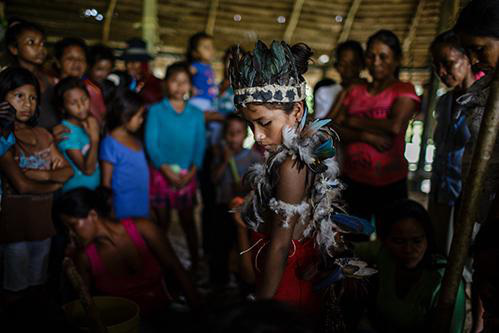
x,y
407,242
484,51
84,229
451,65
77,103
267,123
24,100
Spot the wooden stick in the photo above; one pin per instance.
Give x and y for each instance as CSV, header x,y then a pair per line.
x,y
293,20
212,16
467,214
95,324
107,20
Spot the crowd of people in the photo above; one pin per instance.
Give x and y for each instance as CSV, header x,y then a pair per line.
x,y
94,161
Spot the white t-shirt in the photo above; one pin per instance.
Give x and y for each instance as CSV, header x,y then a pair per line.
x,y
324,99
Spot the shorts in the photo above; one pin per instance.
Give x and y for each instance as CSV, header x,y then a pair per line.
x,y
162,194
24,264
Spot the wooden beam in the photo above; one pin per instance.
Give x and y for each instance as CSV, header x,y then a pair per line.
x,y
411,34
150,24
293,20
212,17
347,26
107,20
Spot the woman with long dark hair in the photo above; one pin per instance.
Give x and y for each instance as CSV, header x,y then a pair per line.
x,y
372,123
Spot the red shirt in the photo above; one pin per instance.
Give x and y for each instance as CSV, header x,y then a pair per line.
x,y
97,104
364,163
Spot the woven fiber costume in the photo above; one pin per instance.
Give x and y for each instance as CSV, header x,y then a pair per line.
x,y
270,75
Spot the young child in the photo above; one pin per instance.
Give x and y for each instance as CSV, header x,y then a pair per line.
x,y
100,64
231,162
25,43
31,171
71,57
175,142
80,147
200,53
122,158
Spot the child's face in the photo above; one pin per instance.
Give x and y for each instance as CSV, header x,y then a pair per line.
x,y
178,85
349,65
136,121
30,47
205,50
267,124
73,62
101,70
24,100
77,103
407,242
135,69
235,134
451,66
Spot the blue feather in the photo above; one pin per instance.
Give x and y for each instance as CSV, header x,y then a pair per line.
x,y
315,126
353,224
325,150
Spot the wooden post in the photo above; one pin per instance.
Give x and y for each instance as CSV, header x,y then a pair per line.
x,y
472,191
212,16
107,21
347,26
447,18
293,20
150,24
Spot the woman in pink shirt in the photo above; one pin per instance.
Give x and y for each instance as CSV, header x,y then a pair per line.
x,y
372,122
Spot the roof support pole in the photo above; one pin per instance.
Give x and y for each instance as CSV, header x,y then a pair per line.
x,y
107,20
293,20
212,17
347,26
467,214
150,24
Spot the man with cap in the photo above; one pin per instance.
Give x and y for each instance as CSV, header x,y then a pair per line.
x,y
143,81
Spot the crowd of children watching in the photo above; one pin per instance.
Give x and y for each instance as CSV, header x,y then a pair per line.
x,y
93,161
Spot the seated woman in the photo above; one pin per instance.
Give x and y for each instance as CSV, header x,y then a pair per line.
x,y
406,288
123,258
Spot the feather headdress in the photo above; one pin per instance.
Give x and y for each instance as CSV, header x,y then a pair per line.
x,y
266,75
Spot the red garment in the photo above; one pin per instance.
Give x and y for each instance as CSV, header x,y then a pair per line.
x,y
292,288
146,287
364,163
97,104
152,91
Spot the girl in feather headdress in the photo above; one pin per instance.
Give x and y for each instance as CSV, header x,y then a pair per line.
x,y
291,210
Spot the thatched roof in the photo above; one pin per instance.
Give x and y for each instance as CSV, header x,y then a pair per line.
x,y
319,23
